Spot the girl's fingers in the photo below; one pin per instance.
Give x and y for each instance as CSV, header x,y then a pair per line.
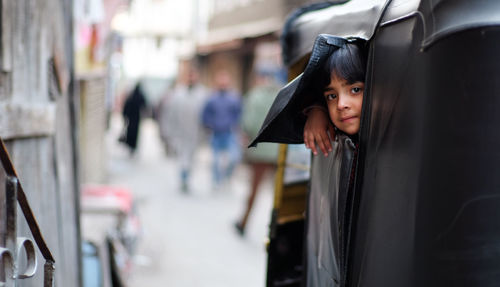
x,y
306,139
330,136
315,139
312,146
309,141
321,143
327,144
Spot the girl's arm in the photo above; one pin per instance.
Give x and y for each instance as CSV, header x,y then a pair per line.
x,y
316,128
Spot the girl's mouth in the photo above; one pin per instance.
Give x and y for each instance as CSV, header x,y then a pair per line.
x,y
348,119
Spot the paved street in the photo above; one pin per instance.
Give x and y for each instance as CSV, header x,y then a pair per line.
x,y
189,239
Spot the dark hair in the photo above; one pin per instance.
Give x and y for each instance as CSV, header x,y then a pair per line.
x,y
348,62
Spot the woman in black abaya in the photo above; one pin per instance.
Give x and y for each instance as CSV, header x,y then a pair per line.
x,y
132,116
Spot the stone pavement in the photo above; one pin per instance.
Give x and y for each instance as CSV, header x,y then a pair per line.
x,y
188,240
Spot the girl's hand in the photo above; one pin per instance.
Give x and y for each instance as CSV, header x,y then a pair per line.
x,y
315,131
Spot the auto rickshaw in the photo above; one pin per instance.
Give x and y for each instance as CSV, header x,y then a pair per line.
x,y
425,205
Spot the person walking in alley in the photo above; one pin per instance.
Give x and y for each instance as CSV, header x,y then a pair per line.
x,y
221,115
162,110
182,120
262,159
132,108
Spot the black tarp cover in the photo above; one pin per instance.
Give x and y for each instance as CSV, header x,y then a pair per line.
x,y
355,18
427,190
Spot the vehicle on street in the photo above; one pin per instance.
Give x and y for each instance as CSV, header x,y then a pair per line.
x,y
425,202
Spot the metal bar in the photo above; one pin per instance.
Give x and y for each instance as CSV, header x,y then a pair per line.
x,y
23,203
280,175
48,273
6,268
11,214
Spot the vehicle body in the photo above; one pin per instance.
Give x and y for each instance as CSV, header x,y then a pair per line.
x,y
426,195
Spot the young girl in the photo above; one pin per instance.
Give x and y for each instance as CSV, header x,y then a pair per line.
x,y
330,90
333,124
343,97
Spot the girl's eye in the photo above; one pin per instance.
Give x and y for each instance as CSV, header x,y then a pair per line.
x,y
356,90
330,97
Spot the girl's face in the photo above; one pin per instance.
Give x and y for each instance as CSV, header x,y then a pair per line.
x,y
344,102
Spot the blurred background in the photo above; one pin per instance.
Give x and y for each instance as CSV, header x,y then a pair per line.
x,y
112,116
177,238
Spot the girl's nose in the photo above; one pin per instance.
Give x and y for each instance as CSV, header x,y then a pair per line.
x,y
342,103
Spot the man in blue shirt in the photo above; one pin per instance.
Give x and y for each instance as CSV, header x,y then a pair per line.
x,y
221,115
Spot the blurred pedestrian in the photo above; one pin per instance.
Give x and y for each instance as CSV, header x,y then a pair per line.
x,y
134,104
183,123
262,159
221,115
163,122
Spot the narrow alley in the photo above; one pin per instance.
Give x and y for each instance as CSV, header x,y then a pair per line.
x,y
189,239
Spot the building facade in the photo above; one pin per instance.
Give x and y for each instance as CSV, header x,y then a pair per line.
x,y
237,34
